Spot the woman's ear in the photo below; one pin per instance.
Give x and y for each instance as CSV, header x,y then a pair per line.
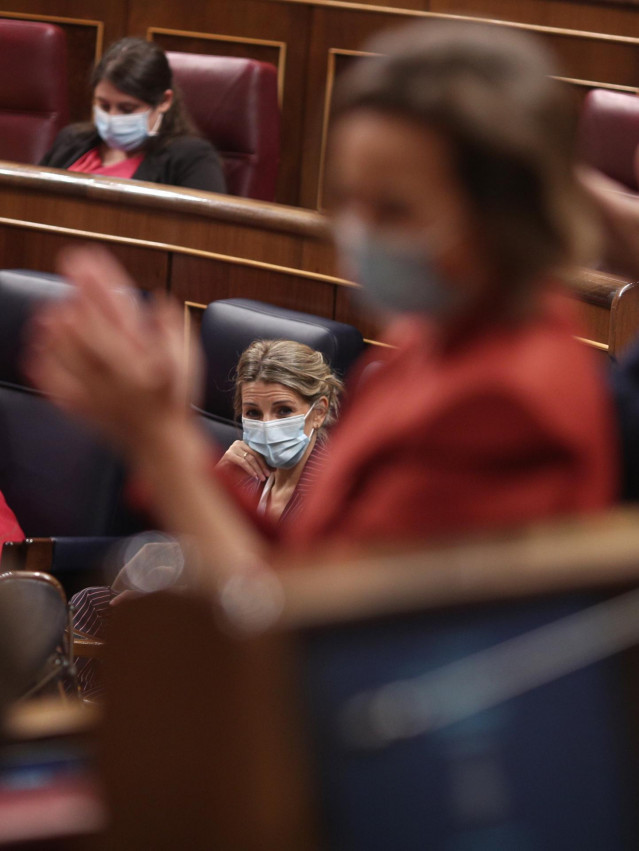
x,y
320,411
166,101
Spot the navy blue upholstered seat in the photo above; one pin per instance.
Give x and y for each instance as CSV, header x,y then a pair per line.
x,y
58,478
230,325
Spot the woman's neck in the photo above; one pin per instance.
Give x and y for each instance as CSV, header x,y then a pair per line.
x,y
111,156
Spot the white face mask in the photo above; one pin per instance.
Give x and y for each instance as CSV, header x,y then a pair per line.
x,y
396,274
282,442
124,132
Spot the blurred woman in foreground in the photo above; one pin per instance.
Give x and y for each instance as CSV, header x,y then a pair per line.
x,y
456,208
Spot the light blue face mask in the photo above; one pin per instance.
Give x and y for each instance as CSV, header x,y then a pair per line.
x,y
282,442
123,132
395,276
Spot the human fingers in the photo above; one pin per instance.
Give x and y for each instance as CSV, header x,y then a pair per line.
x,y
256,459
182,363
91,349
118,343
68,364
123,596
115,336
48,371
252,458
103,282
243,457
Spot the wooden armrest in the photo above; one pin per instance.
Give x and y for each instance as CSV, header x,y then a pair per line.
x,y
35,554
87,646
47,718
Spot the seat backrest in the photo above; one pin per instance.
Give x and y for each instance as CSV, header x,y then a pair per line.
x,y
234,104
609,134
42,607
230,325
55,475
33,89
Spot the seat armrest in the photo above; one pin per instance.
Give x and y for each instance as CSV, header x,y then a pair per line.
x,y
34,554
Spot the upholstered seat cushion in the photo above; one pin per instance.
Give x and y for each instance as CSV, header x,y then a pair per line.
x,y
234,104
33,89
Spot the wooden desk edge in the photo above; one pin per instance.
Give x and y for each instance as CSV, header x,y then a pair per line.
x,y
227,208
598,551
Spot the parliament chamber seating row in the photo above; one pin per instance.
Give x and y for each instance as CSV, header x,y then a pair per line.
x,y
233,102
203,247
310,42
65,485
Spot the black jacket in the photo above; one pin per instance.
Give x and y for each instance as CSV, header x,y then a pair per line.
x,y
186,161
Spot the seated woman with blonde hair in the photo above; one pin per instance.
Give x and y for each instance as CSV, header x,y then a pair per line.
x,y
287,397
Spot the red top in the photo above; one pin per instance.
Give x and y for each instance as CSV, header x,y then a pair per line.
x,y
9,527
512,425
91,163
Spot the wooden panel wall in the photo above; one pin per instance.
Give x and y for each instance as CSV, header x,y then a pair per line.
x,y
310,40
203,247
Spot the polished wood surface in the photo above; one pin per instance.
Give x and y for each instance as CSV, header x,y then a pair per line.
x,y
310,41
198,246
596,552
234,769
203,247
202,745
32,554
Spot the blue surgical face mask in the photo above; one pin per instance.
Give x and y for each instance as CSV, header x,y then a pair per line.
x,y
282,442
123,132
396,275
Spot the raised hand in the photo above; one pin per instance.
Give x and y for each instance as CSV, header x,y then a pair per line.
x,y
104,355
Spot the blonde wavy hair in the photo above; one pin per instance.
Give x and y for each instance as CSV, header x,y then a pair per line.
x,y
294,365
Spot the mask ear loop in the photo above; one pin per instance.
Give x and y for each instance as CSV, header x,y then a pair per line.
x,y
158,123
313,429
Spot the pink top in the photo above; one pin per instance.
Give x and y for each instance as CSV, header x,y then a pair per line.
x,y
9,527
91,163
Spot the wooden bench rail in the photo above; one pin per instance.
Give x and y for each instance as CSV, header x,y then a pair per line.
x,y
601,551
34,554
224,208
202,247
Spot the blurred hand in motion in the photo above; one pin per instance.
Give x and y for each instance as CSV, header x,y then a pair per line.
x,y
104,355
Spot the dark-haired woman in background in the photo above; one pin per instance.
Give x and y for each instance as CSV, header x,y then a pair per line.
x,y
140,126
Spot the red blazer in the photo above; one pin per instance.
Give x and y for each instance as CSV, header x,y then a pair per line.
x,y
514,424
